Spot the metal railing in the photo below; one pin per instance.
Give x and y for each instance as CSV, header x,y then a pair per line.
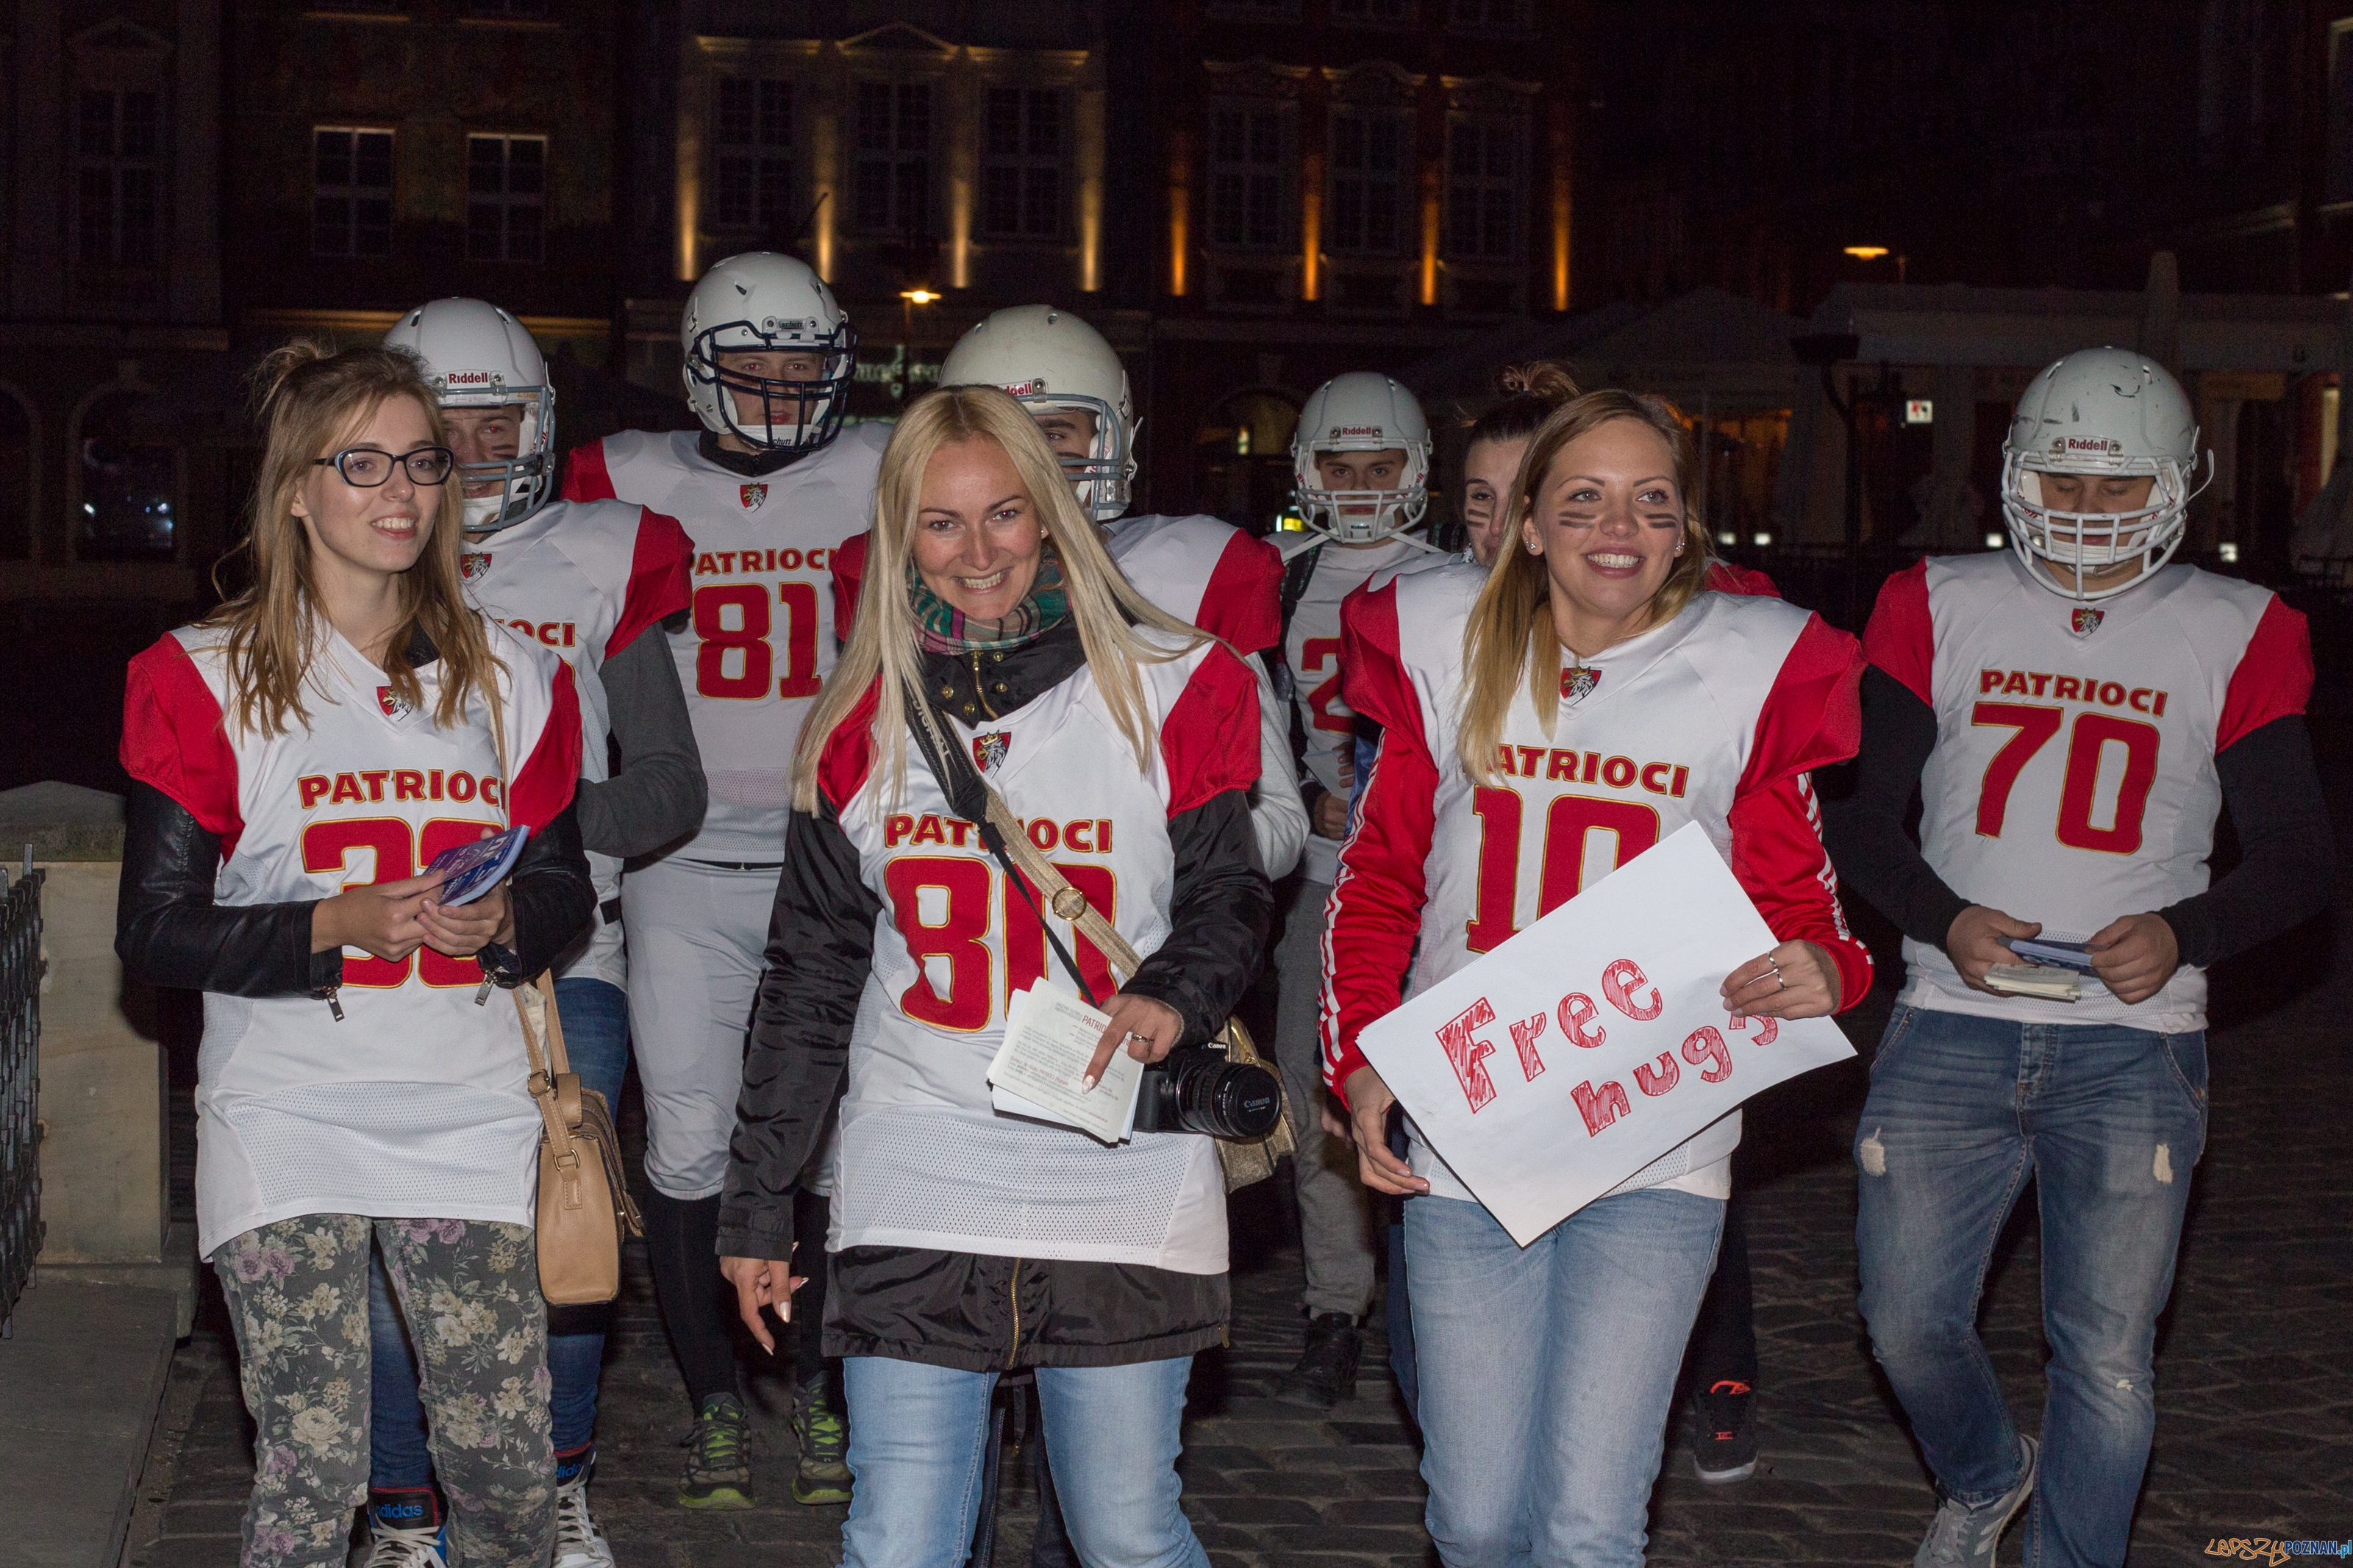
x,y
20,1063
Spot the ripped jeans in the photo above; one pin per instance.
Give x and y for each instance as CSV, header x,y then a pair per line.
x,y
2108,1121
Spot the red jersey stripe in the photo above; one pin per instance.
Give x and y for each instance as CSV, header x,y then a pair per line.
x,y
661,573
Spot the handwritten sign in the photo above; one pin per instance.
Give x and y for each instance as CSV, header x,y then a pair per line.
x,y
1581,1050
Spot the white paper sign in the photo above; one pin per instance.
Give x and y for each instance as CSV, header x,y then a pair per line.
x,y
1040,1071
1595,1040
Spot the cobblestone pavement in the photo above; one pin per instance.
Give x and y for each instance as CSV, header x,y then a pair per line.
x,y
2255,1371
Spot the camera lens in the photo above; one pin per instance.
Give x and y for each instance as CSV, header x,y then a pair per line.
x,y
1224,1099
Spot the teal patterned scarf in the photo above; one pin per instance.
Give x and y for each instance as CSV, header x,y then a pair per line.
x,y
947,629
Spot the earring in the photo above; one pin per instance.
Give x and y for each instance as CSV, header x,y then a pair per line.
x,y
1679,549
1532,546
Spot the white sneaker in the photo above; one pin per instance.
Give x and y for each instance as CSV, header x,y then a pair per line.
x,y
579,1543
396,1548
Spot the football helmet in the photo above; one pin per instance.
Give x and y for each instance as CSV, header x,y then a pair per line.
x,y
1361,411
1050,358
478,356
763,301
2104,413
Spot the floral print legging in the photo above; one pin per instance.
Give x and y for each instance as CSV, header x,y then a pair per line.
x,y
297,1292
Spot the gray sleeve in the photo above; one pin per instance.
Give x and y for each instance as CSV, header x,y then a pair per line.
x,y
656,795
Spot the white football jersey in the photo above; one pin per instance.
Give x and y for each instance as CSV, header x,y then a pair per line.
x,y
762,637
2072,780
414,1104
1713,718
1312,646
1204,572
585,579
954,941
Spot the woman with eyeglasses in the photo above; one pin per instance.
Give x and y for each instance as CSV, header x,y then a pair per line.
x,y
298,758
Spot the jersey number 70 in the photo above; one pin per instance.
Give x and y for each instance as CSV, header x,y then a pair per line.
x,y
2088,743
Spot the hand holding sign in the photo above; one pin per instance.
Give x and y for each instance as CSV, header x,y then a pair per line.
x,y
1600,1037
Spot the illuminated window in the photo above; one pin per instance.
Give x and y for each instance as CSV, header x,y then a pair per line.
x,y
1250,177
1368,198
119,177
1021,167
506,198
893,194
1484,185
351,192
752,166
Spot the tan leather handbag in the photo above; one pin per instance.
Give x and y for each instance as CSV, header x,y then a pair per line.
x,y
583,1201
1242,1163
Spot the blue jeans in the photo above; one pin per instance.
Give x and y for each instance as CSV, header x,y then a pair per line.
x,y
2108,1121
1546,1371
918,1434
595,1017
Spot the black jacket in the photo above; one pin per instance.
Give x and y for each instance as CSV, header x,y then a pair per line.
x,y
974,1311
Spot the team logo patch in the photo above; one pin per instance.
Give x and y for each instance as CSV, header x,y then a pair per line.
x,y
989,751
753,496
2085,620
474,564
393,704
1578,683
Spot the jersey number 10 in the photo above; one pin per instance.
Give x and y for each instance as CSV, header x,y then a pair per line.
x,y
751,674
2086,743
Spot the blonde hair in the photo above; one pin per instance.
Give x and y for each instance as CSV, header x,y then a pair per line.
x,y
311,400
1511,637
886,641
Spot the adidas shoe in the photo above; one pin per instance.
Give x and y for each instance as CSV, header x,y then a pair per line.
x,y
579,1543
405,1528
1964,1537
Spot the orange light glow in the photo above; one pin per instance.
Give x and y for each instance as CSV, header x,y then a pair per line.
x,y
1180,210
1310,227
1432,212
1562,164
1866,252
917,296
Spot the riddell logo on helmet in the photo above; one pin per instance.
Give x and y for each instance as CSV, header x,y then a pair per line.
x,y
1029,389
1347,432
470,378
2098,445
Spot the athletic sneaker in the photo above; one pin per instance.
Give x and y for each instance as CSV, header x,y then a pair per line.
x,y
718,1460
823,1438
1724,1439
1964,1537
579,1543
405,1528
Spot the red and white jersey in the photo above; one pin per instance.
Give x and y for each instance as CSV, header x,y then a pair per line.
x,y
1714,718
953,942
1206,573
2072,780
762,637
1312,646
413,1104
585,579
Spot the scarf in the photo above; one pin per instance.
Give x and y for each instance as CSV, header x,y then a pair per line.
x,y
947,629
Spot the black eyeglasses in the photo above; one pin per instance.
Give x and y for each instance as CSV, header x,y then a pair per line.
x,y
367,467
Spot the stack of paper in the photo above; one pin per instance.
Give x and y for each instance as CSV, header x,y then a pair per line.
x,y
1040,1070
2034,979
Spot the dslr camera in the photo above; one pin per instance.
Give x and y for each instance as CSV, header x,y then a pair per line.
x,y
1197,1089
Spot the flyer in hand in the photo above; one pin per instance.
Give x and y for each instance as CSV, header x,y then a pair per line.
x,y
1581,1050
475,869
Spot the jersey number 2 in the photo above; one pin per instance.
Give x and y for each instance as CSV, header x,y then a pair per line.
x,y
749,677
1312,653
328,846
2086,743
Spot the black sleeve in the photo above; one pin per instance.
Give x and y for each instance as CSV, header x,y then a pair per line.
x,y
552,894
820,948
2287,856
657,794
168,930
1874,854
1218,916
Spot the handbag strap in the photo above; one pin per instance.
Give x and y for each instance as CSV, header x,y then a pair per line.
x,y
978,803
535,1005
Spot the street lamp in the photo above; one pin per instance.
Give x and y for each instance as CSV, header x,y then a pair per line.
x,y
1873,253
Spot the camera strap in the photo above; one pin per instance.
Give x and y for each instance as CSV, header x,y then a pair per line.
x,y
1000,831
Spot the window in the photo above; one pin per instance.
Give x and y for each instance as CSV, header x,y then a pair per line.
x,y
754,170
1368,192
351,192
130,478
118,186
1488,15
1250,178
506,198
1021,172
1483,188
1394,13
894,190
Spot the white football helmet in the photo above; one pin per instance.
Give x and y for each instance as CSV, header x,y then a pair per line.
x,y
2101,412
761,300
1361,411
1050,359
478,356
